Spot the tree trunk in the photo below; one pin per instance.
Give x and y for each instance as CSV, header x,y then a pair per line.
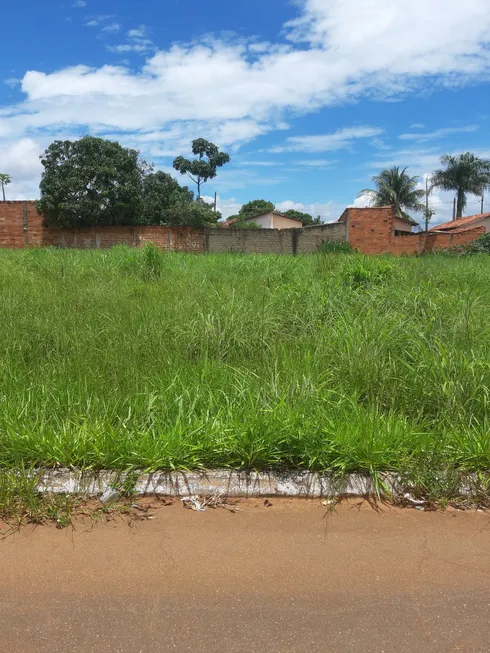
x,y
198,188
459,204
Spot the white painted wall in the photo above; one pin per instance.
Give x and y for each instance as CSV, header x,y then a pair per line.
x,y
264,221
273,220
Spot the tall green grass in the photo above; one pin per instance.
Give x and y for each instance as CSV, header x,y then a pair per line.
x,y
141,358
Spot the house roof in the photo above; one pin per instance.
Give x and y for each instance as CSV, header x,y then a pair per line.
x,y
460,222
408,220
254,217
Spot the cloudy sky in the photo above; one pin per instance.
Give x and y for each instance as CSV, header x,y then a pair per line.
x,y
309,97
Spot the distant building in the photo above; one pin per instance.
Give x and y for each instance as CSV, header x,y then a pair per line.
x,y
271,220
403,226
479,220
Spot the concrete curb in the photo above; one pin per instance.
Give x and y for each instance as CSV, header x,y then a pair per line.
x,y
216,482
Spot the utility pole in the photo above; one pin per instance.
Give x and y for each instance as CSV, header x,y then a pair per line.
x,y
427,203
481,204
454,209
215,197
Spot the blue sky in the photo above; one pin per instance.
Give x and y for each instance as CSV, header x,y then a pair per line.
x,y
309,97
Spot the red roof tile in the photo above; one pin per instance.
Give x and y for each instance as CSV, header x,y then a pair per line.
x,y
460,222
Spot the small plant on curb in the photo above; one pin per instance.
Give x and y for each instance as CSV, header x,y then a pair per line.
x,y
21,502
125,484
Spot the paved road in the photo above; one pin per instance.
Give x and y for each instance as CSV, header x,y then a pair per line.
x,y
280,579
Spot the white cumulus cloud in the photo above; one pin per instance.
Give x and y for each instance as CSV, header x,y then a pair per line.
x,y
438,133
338,51
339,140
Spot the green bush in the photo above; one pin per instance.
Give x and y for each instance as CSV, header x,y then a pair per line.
x,y
334,247
191,214
479,246
145,263
366,271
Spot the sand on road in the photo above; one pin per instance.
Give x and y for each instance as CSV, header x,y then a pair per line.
x,y
293,577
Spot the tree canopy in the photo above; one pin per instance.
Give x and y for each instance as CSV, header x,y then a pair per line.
x,y
197,213
205,166
395,187
464,174
305,218
161,195
93,181
255,208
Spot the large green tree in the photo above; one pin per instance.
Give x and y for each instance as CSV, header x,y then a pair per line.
x,y
4,180
205,166
396,188
91,181
161,195
255,208
463,174
197,213
305,218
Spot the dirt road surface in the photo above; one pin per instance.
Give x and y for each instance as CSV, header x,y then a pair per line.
x,y
285,578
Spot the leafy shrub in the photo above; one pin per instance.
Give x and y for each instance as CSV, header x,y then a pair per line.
x,y
146,263
365,271
479,246
334,247
191,214
151,262
245,224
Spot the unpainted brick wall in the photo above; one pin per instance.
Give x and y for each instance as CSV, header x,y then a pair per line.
x,y
410,244
14,216
467,236
368,230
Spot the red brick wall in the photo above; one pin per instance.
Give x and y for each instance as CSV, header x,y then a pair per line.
x,y
468,235
11,224
12,233
368,230
411,244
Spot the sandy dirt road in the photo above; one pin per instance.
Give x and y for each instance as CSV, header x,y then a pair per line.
x,y
280,579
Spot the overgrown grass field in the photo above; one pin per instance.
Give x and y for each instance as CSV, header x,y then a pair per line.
x,y
119,358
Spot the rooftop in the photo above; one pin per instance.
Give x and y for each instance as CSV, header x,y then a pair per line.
x,y
460,222
254,217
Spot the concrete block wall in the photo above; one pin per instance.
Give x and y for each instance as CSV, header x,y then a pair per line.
x,y
250,241
309,239
176,239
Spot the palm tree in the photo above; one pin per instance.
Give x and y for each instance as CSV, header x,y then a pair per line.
x,y
4,180
394,187
462,174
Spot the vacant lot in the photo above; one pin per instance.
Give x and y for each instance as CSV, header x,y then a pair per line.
x,y
339,362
